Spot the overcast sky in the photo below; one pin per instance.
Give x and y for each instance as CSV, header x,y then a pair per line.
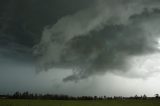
x,y
80,47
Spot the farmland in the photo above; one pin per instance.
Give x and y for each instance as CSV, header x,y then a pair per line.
x,y
20,102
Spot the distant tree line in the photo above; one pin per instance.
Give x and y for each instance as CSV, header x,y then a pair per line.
x,y
27,95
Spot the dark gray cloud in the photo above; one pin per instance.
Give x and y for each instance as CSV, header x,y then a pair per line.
x,y
21,22
80,39
88,36
100,38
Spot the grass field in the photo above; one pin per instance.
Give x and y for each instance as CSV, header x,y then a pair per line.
x,y
5,102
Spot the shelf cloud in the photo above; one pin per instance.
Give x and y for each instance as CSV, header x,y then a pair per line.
x,y
100,38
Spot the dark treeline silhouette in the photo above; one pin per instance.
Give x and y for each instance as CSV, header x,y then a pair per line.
x,y
27,95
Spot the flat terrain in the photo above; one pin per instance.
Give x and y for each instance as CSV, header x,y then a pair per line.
x,y
5,102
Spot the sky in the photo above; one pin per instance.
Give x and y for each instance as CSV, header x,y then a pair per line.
x,y
80,47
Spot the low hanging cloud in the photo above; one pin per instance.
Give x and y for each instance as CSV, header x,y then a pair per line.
x,y
100,38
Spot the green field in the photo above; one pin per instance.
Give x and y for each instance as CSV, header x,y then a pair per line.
x,y
5,102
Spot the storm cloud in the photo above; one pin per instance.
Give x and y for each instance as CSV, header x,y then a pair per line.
x,y
99,44
100,38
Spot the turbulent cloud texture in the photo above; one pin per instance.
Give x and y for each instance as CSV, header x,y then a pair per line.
x,y
100,38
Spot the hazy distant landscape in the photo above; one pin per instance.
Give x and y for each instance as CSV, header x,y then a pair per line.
x,y
29,99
